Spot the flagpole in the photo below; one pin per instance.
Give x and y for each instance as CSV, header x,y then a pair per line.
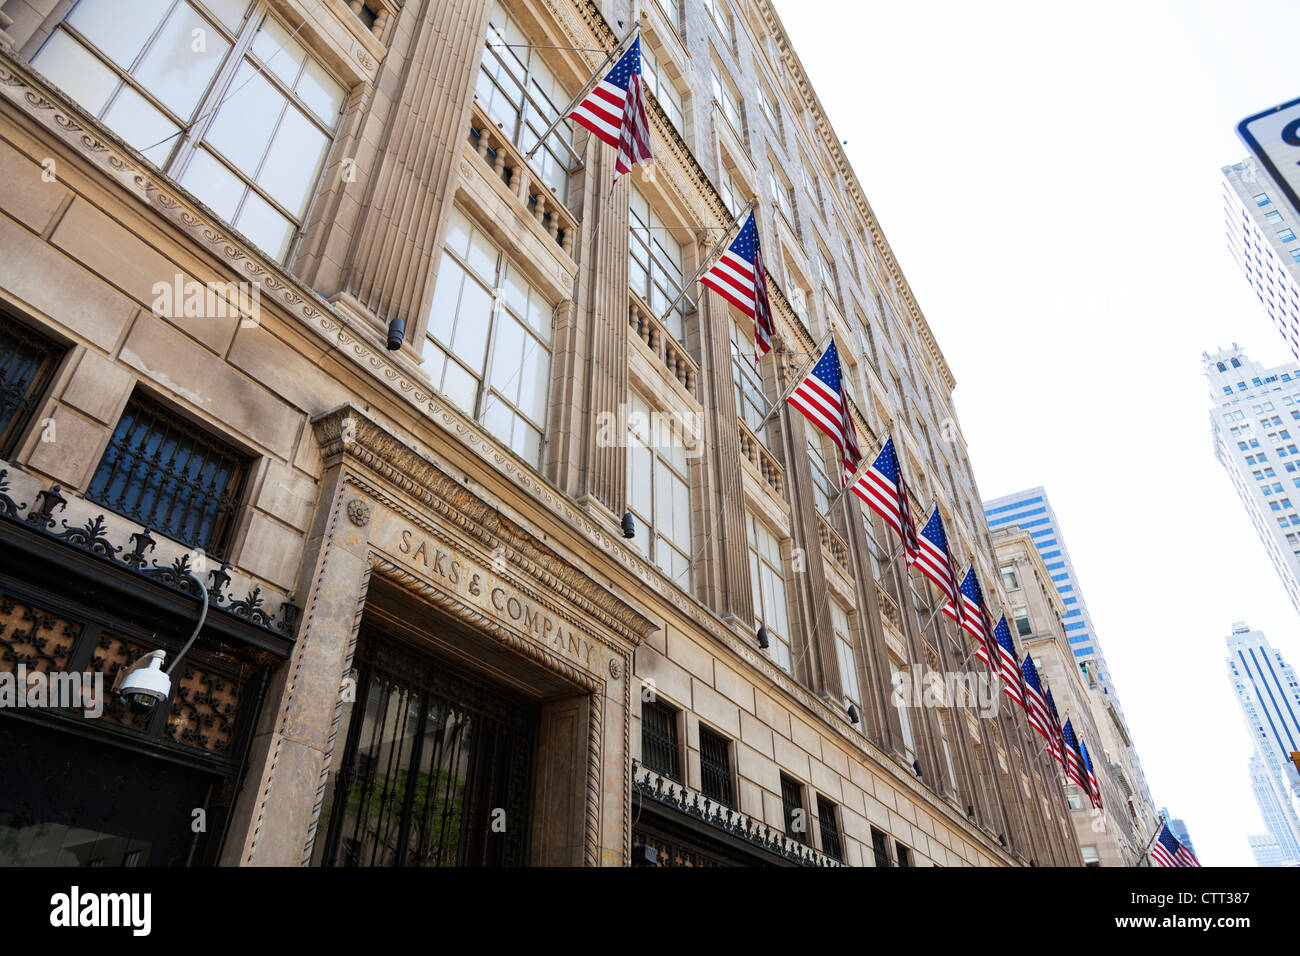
x,y
586,88
707,262
795,382
1146,853
863,466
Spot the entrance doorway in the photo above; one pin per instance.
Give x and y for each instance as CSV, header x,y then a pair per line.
x,y
436,769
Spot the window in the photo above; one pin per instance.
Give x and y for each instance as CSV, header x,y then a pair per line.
x,y
732,194
1286,235
945,733
1021,617
904,854
1074,797
782,192
1273,216
259,137
1010,580
879,847
722,17
715,767
796,818
655,263
830,828
27,363
661,85
848,660
1090,856
900,678
659,492
171,476
727,99
489,348
823,489
520,93
768,583
659,750
1261,199
809,176
751,397
826,269
767,102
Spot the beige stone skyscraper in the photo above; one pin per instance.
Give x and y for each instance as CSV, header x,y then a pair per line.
x,y
290,301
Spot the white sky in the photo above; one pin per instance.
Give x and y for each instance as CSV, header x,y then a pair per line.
x,y
1048,177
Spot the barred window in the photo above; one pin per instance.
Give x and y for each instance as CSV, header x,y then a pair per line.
x,y
796,818
27,363
715,767
171,476
659,750
904,854
879,847
248,138
830,828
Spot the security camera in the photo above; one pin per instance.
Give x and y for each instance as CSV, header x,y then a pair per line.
x,y
142,685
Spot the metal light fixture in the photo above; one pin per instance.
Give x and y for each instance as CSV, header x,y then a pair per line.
x,y
1002,839
396,332
970,811
629,525
763,641
145,684
853,714
916,765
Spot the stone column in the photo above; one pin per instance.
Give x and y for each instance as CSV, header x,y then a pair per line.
x,y
591,377
729,590
273,816
382,246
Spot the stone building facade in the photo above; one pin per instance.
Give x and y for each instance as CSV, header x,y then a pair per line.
x,y
429,640
1116,834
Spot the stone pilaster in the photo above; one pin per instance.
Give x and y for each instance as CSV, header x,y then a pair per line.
x,y
726,561
382,247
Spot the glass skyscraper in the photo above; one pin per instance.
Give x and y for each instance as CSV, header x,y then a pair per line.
x,y
1268,691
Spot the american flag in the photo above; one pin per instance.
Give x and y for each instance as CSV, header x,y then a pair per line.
x,y
1168,851
934,558
821,397
883,489
974,618
1093,790
1058,750
1073,759
615,112
1040,718
740,278
1007,668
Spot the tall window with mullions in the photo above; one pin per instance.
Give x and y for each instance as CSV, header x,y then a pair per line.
x,y
655,263
659,492
751,396
489,346
523,96
27,363
217,94
171,476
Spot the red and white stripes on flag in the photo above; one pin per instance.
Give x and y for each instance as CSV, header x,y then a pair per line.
x,y
615,111
821,398
740,278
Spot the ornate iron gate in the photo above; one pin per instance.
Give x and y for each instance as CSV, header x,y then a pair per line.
x,y
437,768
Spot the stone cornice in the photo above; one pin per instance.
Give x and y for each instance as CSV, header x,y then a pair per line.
x,y
832,145
349,432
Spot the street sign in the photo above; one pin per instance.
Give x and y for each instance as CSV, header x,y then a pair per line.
x,y
1274,137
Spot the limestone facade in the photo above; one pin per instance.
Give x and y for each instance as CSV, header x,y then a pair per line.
x,y
479,525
